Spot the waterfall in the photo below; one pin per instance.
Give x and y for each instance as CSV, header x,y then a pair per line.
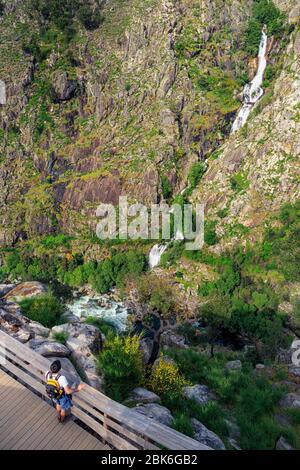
x,y
156,254
158,250
253,91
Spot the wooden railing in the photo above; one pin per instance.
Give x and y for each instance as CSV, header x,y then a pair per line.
x,y
115,424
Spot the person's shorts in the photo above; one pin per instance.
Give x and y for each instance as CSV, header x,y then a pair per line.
x,y
64,402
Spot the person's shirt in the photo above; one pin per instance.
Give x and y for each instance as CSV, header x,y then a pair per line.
x,y
62,380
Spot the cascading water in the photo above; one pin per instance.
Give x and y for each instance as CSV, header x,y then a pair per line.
x,y
156,254
158,250
100,306
253,91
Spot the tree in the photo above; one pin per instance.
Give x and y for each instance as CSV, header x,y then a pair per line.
x,y
216,314
122,366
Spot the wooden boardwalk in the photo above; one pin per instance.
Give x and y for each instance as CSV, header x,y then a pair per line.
x,y
28,422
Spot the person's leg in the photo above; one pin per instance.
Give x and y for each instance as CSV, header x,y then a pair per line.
x,y
59,411
62,415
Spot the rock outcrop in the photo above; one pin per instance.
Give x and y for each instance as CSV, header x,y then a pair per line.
x,y
25,290
207,437
200,393
158,413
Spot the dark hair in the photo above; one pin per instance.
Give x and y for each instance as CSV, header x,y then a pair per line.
x,y
55,367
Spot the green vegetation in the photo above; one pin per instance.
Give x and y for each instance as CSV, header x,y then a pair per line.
x,y
264,13
121,364
61,337
196,173
72,270
157,293
45,309
239,182
104,326
64,14
165,378
248,398
210,235
2,6
166,187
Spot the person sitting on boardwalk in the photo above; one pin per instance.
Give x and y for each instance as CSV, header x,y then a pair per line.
x,y
59,391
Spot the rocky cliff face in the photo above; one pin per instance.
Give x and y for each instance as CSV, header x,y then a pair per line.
x,y
257,171
135,103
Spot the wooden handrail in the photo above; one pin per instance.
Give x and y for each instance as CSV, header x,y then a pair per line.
x,y
116,424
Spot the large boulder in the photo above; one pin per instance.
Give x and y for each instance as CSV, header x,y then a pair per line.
x,y
80,335
170,339
146,347
142,395
38,330
291,400
283,444
234,365
5,288
207,437
200,393
84,341
64,88
158,413
294,16
12,323
86,363
26,290
48,348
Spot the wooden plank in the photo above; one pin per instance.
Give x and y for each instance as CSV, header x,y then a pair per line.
x,y
158,433
126,432
13,345
25,377
29,367
107,435
7,409
38,431
25,419
144,427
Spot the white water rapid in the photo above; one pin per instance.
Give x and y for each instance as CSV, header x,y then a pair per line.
x,y
253,91
100,306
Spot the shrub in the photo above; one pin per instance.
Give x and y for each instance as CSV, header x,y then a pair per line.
x,y
157,293
255,403
264,12
104,326
182,423
121,364
210,235
89,19
211,415
61,337
2,7
45,309
196,173
239,182
166,378
166,187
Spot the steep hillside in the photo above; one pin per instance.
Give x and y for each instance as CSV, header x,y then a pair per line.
x,y
121,109
257,171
